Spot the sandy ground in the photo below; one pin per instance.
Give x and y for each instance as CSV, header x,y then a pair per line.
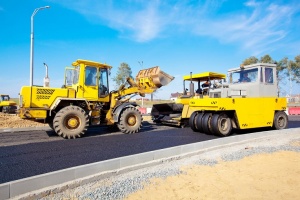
x,y
262,176
13,121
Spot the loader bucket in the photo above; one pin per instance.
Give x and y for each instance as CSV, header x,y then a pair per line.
x,y
153,77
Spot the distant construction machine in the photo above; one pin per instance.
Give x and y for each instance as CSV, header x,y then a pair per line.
x,y
7,105
85,99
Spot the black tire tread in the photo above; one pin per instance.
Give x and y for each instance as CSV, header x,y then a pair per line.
x,y
276,117
192,121
58,119
122,124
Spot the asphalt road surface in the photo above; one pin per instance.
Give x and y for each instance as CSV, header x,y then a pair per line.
x,y
25,154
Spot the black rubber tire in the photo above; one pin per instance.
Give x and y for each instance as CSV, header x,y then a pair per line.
x,y
221,125
206,125
280,120
130,120
199,122
192,121
71,114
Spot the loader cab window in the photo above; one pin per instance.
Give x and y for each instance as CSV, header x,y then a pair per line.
x,y
72,76
103,83
90,76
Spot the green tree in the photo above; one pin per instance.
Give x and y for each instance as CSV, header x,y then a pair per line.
x,y
296,69
250,60
124,71
266,59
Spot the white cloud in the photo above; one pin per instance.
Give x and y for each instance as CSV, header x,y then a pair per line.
x,y
251,3
258,31
258,27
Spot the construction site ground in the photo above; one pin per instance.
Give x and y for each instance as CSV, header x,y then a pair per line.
x,y
262,175
13,121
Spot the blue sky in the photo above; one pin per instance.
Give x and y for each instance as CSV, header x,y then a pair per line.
x,y
180,36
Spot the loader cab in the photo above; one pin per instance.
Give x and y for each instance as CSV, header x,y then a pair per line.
x,y
89,80
4,98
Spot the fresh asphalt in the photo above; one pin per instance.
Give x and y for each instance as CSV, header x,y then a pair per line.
x,y
32,152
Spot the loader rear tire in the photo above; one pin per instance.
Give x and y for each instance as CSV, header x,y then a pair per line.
x,y
280,120
192,121
130,120
221,125
71,122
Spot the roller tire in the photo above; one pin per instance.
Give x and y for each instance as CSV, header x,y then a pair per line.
x,y
71,122
280,120
130,121
192,123
221,125
206,125
199,122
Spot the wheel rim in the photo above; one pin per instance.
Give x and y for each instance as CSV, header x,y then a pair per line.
x,y
281,121
72,122
224,124
131,120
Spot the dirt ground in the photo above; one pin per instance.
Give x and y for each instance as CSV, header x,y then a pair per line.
x,y
13,121
261,176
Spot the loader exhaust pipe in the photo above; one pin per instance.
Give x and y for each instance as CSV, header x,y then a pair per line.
x,y
46,79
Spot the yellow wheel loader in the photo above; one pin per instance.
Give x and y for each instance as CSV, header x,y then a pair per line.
x,y
85,99
7,105
176,113
249,100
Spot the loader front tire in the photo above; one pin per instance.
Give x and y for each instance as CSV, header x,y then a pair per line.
x,y
280,120
71,122
130,120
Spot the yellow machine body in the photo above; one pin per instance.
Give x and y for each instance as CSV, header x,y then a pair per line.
x,y
7,105
249,112
248,100
86,89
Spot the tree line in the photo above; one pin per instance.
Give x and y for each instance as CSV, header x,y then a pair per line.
x,y
286,68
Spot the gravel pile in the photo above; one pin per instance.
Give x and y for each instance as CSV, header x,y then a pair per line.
x,y
118,187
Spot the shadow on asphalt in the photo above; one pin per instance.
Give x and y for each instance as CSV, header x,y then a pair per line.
x,y
294,122
105,130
